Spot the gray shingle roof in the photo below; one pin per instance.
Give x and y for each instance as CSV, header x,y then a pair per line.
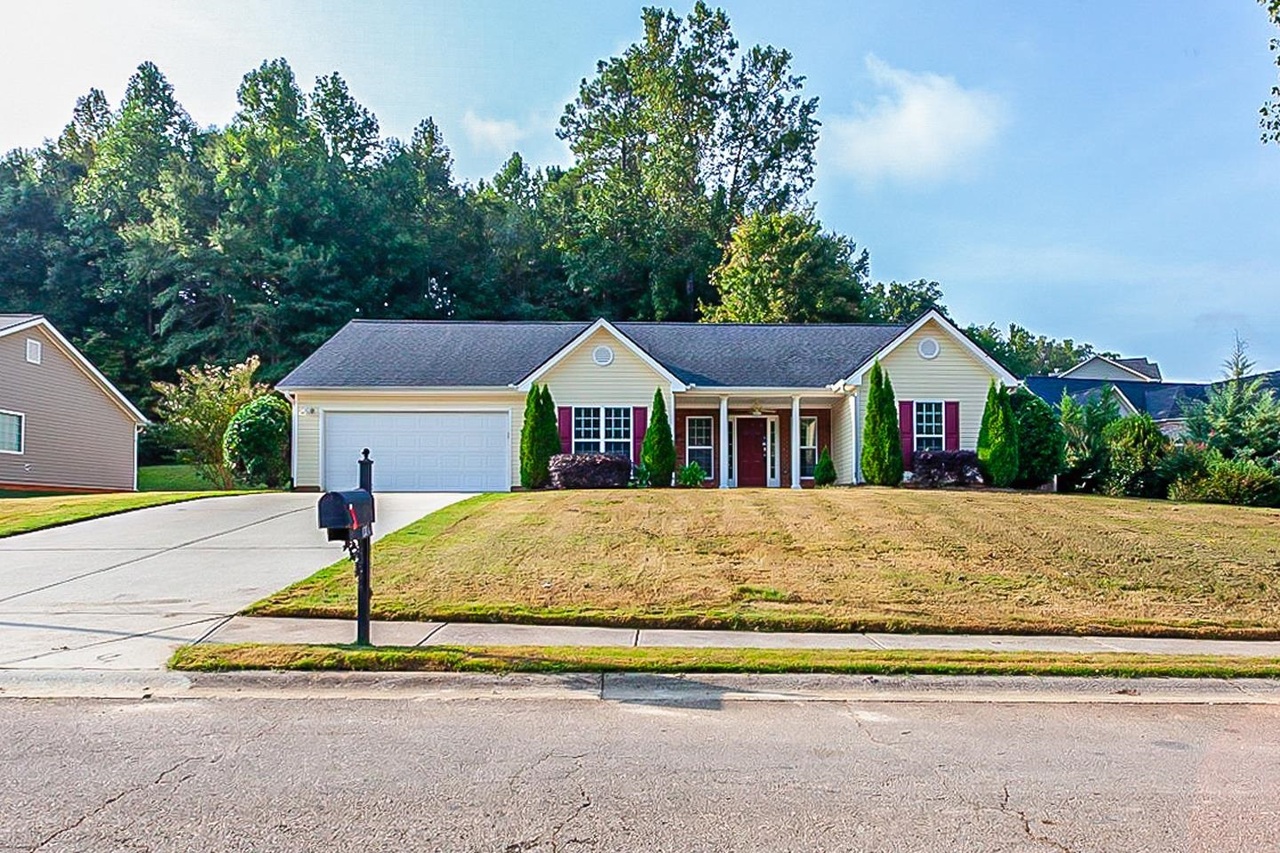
x,y
9,320
1149,369
767,356
408,354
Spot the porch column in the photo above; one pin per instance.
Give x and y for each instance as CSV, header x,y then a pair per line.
x,y
795,442
723,447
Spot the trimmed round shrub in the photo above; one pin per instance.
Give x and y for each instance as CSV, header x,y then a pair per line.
x,y
256,443
1041,444
589,471
937,468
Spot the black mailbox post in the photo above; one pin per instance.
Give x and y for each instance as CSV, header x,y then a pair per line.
x,y
348,517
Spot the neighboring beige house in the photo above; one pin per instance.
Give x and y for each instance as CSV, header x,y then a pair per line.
x,y
63,426
1115,369
440,404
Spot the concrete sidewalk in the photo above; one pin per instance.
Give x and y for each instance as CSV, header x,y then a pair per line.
x,y
253,629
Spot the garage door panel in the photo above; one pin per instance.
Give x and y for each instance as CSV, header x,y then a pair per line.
x,y
419,451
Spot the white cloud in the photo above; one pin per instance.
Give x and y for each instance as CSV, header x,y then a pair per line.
x,y
925,129
496,136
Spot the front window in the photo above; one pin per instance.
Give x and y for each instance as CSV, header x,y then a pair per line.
x,y
698,446
11,432
808,446
928,426
602,429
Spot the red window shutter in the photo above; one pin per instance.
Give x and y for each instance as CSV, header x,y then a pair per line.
x,y
951,425
566,429
907,431
639,423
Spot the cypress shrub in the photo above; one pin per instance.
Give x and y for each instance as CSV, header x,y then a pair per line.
x,y
658,453
1041,443
824,473
998,439
533,468
548,425
881,445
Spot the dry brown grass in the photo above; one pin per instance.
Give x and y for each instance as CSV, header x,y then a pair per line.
x,y
836,559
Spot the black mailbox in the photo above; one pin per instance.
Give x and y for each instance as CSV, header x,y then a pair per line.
x,y
347,515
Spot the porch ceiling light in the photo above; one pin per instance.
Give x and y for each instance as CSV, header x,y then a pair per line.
x,y
755,407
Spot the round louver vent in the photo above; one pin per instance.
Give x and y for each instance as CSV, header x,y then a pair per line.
x,y
929,348
602,356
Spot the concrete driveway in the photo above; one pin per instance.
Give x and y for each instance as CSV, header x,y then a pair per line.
x,y
123,592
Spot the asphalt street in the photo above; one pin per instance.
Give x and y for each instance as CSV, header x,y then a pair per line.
x,y
539,775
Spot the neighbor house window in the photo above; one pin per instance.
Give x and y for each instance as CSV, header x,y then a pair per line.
x,y
928,426
808,446
11,429
35,350
602,429
697,440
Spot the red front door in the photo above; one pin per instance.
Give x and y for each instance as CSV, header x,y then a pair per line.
x,y
751,452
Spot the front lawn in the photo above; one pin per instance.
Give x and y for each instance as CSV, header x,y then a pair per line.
x,y
22,515
835,559
172,478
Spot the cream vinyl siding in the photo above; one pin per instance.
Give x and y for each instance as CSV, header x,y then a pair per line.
x,y
308,438
77,435
955,374
578,381
842,439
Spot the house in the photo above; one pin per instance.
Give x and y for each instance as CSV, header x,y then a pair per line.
x,y
1117,369
63,426
1165,402
440,404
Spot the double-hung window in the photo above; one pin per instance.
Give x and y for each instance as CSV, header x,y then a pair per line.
x,y
697,443
602,429
808,446
929,426
11,432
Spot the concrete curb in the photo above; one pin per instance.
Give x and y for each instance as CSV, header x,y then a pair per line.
x,y
686,690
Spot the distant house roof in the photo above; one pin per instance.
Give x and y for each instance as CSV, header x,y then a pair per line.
x,y
1162,400
1149,369
441,354
1139,368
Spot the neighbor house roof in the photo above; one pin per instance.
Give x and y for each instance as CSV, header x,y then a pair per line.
x,y
1147,368
8,321
409,354
13,323
1162,400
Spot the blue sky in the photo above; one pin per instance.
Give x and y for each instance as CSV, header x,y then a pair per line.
x,y
1088,170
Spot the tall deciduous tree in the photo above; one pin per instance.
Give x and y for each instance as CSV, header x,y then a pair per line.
x,y
1024,353
896,302
1270,112
781,268
675,139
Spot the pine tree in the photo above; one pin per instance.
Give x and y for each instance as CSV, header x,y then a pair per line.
x,y
533,467
998,439
881,447
658,453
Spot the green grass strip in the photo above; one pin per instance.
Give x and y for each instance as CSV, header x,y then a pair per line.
x,y
24,515
215,657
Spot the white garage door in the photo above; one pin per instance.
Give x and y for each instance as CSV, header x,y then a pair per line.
x,y
419,451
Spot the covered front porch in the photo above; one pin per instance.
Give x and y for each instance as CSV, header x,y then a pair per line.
x,y
765,439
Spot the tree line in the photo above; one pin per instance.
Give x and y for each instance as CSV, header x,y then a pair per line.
x,y
157,244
